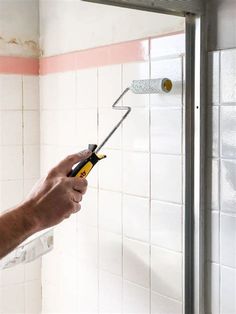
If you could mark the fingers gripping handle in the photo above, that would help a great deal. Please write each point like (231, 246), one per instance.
(84, 167)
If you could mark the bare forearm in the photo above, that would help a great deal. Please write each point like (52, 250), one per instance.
(16, 225)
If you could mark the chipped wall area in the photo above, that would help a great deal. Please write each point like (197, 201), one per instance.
(17, 47)
(19, 38)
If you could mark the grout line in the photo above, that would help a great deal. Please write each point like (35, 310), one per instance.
(98, 196)
(122, 195)
(150, 185)
(219, 182)
(23, 166)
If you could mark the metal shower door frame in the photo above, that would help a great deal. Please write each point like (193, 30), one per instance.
(194, 161)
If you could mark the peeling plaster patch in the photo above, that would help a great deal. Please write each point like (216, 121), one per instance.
(17, 47)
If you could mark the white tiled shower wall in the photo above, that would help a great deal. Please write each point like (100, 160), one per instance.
(20, 287)
(221, 224)
(123, 251)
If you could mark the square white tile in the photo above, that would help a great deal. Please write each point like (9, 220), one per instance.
(136, 299)
(228, 131)
(136, 262)
(213, 288)
(33, 297)
(110, 252)
(172, 69)
(14, 275)
(228, 290)
(228, 186)
(213, 131)
(33, 270)
(87, 245)
(166, 130)
(213, 77)
(11, 163)
(135, 71)
(58, 127)
(31, 127)
(168, 45)
(228, 240)
(136, 217)
(108, 118)
(228, 76)
(110, 211)
(136, 130)
(11, 92)
(164, 305)
(65, 238)
(166, 225)
(11, 127)
(13, 299)
(28, 185)
(87, 296)
(213, 184)
(110, 170)
(136, 173)
(30, 92)
(110, 293)
(60, 91)
(11, 193)
(88, 214)
(86, 88)
(31, 161)
(86, 127)
(166, 178)
(166, 273)
(213, 236)
(109, 85)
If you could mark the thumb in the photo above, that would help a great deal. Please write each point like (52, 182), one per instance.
(65, 166)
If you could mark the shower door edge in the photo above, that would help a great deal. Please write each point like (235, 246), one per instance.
(194, 220)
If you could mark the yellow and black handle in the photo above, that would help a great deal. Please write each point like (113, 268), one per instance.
(84, 167)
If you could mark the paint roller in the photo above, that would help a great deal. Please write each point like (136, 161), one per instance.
(152, 86)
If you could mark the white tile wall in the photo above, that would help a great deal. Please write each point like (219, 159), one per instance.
(228, 185)
(165, 305)
(166, 178)
(214, 77)
(166, 225)
(110, 252)
(11, 100)
(213, 236)
(170, 68)
(110, 293)
(228, 131)
(166, 273)
(110, 211)
(221, 279)
(134, 71)
(228, 290)
(109, 85)
(213, 288)
(136, 173)
(19, 168)
(227, 76)
(166, 131)
(86, 89)
(136, 138)
(136, 217)
(118, 271)
(228, 240)
(136, 299)
(136, 262)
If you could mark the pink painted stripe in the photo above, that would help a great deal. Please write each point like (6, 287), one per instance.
(19, 65)
(132, 51)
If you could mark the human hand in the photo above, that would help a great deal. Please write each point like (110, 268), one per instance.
(57, 196)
